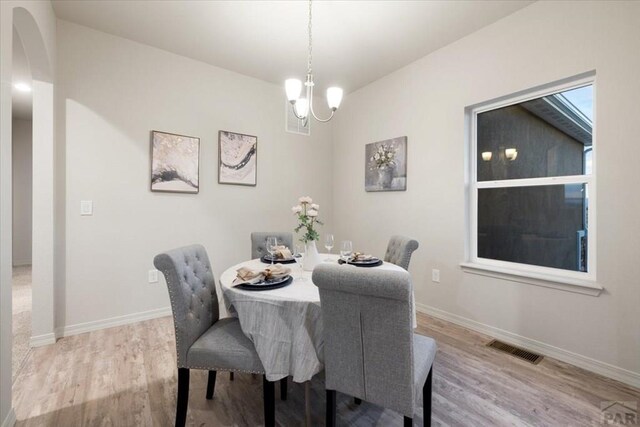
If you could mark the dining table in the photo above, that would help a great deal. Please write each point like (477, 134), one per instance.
(284, 324)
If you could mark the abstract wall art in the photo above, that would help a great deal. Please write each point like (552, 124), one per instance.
(237, 158)
(175, 162)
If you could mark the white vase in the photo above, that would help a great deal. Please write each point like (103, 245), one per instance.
(311, 256)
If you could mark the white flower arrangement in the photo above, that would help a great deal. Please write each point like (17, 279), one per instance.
(384, 157)
(307, 213)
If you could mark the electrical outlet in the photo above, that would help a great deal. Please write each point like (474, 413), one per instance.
(153, 276)
(435, 276)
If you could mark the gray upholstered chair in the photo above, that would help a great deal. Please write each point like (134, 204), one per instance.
(259, 239)
(370, 350)
(203, 340)
(399, 251)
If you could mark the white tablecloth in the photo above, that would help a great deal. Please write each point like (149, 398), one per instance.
(284, 324)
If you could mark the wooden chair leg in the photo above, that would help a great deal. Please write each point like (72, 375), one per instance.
(269, 391)
(331, 408)
(357, 401)
(183, 397)
(230, 376)
(426, 399)
(283, 389)
(408, 422)
(211, 384)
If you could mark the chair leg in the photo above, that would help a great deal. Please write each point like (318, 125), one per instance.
(426, 399)
(357, 401)
(269, 391)
(211, 384)
(283, 389)
(331, 408)
(230, 376)
(183, 397)
(408, 422)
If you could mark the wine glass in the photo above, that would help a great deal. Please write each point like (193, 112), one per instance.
(272, 243)
(298, 255)
(328, 243)
(345, 250)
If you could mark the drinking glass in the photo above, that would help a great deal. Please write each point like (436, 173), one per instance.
(298, 255)
(272, 243)
(328, 243)
(345, 250)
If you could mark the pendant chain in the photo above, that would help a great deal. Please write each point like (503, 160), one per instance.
(310, 40)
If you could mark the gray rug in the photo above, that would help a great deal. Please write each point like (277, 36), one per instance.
(21, 316)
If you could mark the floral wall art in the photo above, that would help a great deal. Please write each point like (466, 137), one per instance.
(237, 158)
(175, 162)
(386, 165)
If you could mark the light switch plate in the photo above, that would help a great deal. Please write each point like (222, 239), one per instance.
(153, 276)
(86, 207)
(435, 276)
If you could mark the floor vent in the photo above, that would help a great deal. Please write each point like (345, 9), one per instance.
(515, 351)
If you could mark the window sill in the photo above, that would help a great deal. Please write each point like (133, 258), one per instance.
(579, 286)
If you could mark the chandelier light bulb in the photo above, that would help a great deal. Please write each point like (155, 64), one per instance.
(486, 155)
(302, 107)
(334, 97)
(511, 153)
(293, 87)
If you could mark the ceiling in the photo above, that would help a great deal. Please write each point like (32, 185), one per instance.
(354, 42)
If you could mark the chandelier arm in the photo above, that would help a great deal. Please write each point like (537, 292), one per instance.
(310, 97)
(323, 120)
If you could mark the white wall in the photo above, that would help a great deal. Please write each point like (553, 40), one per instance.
(22, 179)
(542, 43)
(111, 93)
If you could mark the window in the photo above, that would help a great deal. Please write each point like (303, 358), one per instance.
(531, 186)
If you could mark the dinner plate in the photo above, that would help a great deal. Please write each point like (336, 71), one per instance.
(266, 285)
(267, 260)
(365, 263)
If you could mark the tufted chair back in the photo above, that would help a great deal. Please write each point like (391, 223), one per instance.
(399, 251)
(368, 334)
(192, 291)
(259, 242)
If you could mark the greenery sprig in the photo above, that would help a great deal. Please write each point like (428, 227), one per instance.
(307, 213)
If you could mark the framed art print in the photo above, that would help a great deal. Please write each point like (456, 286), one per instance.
(175, 162)
(237, 158)
(386, 165)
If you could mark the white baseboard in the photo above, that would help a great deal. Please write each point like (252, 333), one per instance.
(21, 263)
(41, 340)
(596, 366)
(10, 419)
(127, 319)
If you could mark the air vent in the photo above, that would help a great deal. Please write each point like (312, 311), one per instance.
(515, 351)
(293, 124)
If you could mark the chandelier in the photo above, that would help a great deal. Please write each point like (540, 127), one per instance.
(303, 106)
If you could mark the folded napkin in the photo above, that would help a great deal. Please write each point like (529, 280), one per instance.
(283, 252)
(248, 275)
(359, 256)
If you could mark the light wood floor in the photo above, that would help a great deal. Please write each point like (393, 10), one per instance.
(126, 376)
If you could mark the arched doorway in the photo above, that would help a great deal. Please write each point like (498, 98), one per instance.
(19, 19)
(43, 242)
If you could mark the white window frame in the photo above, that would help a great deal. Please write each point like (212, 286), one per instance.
(573, 281)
